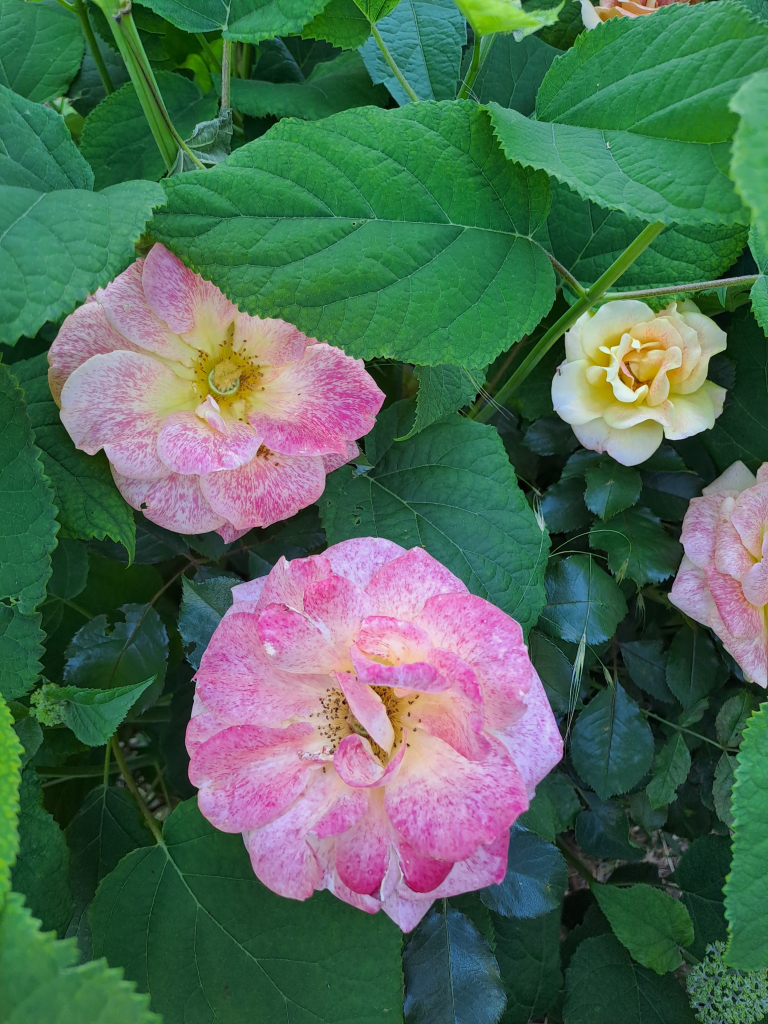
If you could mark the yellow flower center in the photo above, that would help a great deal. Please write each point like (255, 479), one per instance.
(229, 375)
(337, 720)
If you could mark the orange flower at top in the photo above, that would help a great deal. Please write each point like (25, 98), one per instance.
(592, 16)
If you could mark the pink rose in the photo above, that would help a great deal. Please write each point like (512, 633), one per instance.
(593, 16)
(211, 419)
(370, 727)
(723, 578)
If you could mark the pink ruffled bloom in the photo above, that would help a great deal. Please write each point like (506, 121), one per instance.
(593, 16)
(211, 419)
(370, 727)
(723, 578)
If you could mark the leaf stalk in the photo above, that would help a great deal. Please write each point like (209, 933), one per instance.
(393, 66)
(93, 46)
(130, 782)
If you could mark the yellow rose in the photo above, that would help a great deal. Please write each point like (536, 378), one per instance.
(632, 377)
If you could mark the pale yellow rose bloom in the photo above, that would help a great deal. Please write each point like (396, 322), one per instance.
(632, 377)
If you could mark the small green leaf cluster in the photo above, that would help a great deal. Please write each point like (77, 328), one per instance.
(720, 993)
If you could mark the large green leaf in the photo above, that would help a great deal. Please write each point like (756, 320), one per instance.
(425, 38)
(451, 490)
(746, 889)
(89, 505)
(332, 86)
(604, 984)
(41, 873)
(56, 247)
(352, 228)
(701, 876)
(41, 48)
(611, 488)
(536, 878)
(750, 147)
(117, 141)
(646, 662)
(582, 601)
(603, 831)
(512, 72)
(692, 666)
(442, 391)
(38, 151)
(587, 239)
(10, 777)
(638, 546)
(247, 20)
(650, 923)
(92, 715)
(41, 985)
(741, 432)
(21, 640)
(451, 975)
(612, 744)
(663, 156)
(202, 607)
(210, 942)
(528, 955)
(670, 770)
(342, 23)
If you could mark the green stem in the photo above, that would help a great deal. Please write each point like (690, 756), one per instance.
(698, 735)
(678, 289)
(208, 51)
(226, 71)
(483, 412)
(130, 782)
(474, 68)
(90, 38)
(395, 69)
(107, 765)
(566, 275)
(244, 64)
(574, 861)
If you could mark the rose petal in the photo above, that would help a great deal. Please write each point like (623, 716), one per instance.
(361, 853)
(534, 740)
(176, 502)
(187, 444)
(357, 765)
(368, 708)
(359, 559)
(84, 333)
(400, 588)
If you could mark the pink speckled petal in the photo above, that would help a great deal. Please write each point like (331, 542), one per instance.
(750, 518)
(269, 488)
(127, 309)
(349, 807)
(118, 395)
(84, 333)
(248, 776)
(691, 594)
(414, 676)
(401, 587)
(293, 642)
(361, 854)
(269, 342)
(755, 581)
(421, 874)
(368, 708)
(444, 805)
(335, 461)
(534, 740)
(731, 557)
(735, 479)
(486, 866)
(338, 606)
(317, 404)
(136, 457)
(175, 502)
(201, 726)
(170, 289)
(187, 444)
(288, 580)
(361, 558)
(741, 619)
(357, 765)
(700, 527)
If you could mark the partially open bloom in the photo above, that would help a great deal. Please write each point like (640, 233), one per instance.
(211, 419)
(593, 16)
(723, 578)
(632, 377)
(370, 727)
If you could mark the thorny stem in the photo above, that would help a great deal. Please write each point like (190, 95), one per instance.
(395, 69)
(130, 782)
(679, 289)
(484, 412)
(90, 38)
(698, 735)
(226, 71)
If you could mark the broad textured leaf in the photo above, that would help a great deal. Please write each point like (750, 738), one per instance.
(563, 508)
(603, 984)
(56, 247)
(442, 390)
(38, 151)
(247, 20)
(722, 788)
(128, 654)
(554, 669)
(41, 984)
(352, 229)
(616, 153)
(69, 561)
(528, 955)
(692, 666)
(582, 601)
(225, 947)
(732, 718)
(41, 873)
(342, 23)
(741, 432)
(41, 48)
(650, 923)
(603, 831)
(27, 514)
(670, 770)
(750, 148)
(10, 778)
(89, 505)
(332, 86)
(451, 490)
(588, 239)
(21, 640)
(107, 826)
(611, 488)
(117, 141)
(93, 715)
(536, 878)
(611, 744)
(746, 890)
(202, 607)
(425, 39)
(512, 72)
(638, 546)
(646, 662)
(451, 975)
(701, 876)
(374, 10)
(759, 291)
